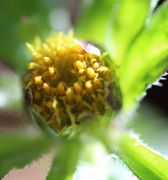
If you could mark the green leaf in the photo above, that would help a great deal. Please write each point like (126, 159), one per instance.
(65, 162)
(143, 161)
(10, 100)
(19, 149)
(21, 22)
(146, 163)
(148, 58)
(128, 18)
(94, 20)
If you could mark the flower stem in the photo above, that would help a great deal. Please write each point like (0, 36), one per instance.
(144, 162)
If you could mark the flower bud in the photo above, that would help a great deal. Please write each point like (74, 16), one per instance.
(68, 83)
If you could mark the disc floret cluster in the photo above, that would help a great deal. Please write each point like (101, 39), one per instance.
(66, 82)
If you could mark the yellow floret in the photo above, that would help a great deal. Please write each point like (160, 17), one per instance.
(66, 80)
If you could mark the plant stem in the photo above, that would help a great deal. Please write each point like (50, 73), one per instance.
(144, 162)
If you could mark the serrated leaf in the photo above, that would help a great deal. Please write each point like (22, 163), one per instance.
(94, 20)
(65, 161)
(148, 58)
(128, 18)
(19, 149)
(145, 163)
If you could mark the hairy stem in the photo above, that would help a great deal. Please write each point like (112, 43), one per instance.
(144, 162)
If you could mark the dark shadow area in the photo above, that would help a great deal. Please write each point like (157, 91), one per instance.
(158, 96)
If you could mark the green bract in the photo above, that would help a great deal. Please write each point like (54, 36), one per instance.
(69, 82)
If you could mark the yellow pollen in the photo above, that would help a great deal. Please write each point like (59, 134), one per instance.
(77, 88)
(54, 104)
(37, 55)
(47, 60)
(38, 80)
(93, 60)
(89, 86)
(90, 73)
(79, 65)
(104, 70)
(95, 65)
(32, 65)
(70, 95)
(46, 88)
(51, 71)
(97, 83)
(81, 71)
(61, 88)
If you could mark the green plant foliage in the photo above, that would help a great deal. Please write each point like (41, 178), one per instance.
(94, 20)
(128, 18)
(21, 22)
(65, 161)
(142, 160)
(19, 149)
(148, 58)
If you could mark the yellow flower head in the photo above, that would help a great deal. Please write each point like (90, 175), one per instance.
(67, 82)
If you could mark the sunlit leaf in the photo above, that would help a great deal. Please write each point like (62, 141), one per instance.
(18, 150)
(128, 18)
(94, 20)
(148, 58)
(142, 160)
(65, 161)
